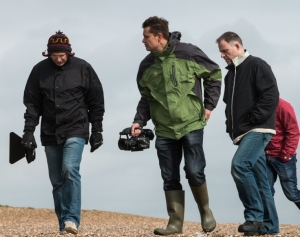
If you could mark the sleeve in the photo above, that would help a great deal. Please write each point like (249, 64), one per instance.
(268, 95)
(288, 119)
(212, 76)
(142, 115)
(95, 100)
(32, 101)
(142, 112)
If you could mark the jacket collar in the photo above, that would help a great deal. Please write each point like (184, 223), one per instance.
(68, 62)
(237, 61)
(240, 59)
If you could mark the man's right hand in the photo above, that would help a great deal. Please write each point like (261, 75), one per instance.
(136, 130)
(96, 140)
(28, 141)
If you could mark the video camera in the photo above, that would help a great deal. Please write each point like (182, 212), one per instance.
(135, 143)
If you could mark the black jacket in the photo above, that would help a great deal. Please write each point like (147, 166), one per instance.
(251, 96)
(67, 98)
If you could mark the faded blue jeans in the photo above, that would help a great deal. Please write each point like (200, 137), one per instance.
(249, 171)
(287, 173)
(63, 166)
(169, 152)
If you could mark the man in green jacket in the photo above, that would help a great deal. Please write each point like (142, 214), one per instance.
(169, 80)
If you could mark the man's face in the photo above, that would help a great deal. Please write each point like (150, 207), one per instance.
(150, 41)
(229, 50)
(59, 58)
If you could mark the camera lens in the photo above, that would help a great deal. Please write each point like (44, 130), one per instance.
(124, 144)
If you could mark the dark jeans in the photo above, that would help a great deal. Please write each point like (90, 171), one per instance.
(286, 171)
(169, 152)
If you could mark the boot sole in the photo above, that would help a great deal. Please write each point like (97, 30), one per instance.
(209, 230)
(250, 229)
(250, 233)
(71, 231)
(164, 232)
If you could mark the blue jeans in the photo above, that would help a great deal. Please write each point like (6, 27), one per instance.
(249, 172)
(286, 171)
(169, 152)
(63, 166)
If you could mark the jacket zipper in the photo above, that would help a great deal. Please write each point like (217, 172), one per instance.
(232, 101)
(173, 76)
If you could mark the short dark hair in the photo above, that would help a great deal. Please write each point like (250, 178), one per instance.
(157, 25)
(229, 37)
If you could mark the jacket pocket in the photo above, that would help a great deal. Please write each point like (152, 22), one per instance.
(190, 110)
(243, 125)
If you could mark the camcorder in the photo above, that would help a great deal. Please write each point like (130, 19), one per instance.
(135, 143)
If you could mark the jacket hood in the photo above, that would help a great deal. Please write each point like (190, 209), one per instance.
(174, 38)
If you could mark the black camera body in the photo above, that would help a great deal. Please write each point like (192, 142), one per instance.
(135, 143)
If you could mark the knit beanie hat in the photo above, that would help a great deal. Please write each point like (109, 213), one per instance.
(58, 42)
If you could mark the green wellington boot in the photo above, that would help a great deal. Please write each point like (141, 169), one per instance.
(208, 221)
(175, 208)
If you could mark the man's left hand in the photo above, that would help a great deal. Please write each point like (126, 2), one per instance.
(207, 114)
(96, 140)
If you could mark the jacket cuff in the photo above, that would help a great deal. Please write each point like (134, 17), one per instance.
(140, 122)
(97, 127)
(29, 126)
(285, 157)
(209, 107)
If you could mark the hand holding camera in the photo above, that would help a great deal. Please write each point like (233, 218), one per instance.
(136, 130)
(137, 139)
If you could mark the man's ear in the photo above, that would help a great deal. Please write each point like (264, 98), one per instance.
(160, 36)
(238, 46)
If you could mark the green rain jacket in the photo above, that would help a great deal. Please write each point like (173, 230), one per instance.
(171, 89)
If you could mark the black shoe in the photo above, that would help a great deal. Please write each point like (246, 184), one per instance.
(251, 226)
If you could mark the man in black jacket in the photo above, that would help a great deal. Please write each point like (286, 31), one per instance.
(251, 96)
(67, 93)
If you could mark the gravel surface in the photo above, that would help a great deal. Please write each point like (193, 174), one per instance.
(16, 221)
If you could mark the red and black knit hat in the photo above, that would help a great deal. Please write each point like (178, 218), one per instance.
(58, 43)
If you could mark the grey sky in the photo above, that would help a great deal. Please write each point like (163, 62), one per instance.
(108, 35)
